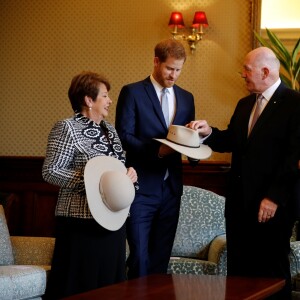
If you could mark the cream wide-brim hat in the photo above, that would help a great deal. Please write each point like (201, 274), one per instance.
(109, 191)
(186, 141)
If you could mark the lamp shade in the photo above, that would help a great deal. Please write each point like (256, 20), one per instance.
(176, 19)
(200, 19)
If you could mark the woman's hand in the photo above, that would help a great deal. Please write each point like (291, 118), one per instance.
(131, 173)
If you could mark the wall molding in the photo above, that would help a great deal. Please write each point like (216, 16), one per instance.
(34, 200)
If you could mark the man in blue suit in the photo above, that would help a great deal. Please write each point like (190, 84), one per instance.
(260, 201)
(154, 213)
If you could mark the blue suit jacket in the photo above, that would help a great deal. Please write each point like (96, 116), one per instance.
(139, 119)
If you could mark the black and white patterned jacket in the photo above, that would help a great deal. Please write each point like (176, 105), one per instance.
(71, 143)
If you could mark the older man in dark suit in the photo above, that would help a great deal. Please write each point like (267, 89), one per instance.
(263, 172)
(154, 213)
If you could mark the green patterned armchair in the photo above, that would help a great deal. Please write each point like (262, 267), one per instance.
(200, 241)
(24, 263)
(295, 263)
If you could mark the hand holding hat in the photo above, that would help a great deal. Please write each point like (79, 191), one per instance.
(186, 141)
(109, 191)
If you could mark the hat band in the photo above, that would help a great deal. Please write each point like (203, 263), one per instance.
(185, 145)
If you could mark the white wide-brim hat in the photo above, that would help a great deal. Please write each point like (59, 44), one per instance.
(109, 191)
(186, 141)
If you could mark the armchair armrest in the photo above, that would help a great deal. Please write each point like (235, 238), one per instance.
(295, 266)
(295, 258)
(32, 250)
(217, 253)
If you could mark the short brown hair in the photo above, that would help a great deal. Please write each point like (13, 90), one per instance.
(85, 84)
(169, 48)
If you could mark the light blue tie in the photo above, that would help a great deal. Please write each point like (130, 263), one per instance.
(165, 110)
(165, 105)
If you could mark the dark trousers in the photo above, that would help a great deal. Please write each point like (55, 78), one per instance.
(259, 249)
(151, 230)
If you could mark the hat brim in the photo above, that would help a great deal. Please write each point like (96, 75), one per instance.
(201, 152)
(95, 167)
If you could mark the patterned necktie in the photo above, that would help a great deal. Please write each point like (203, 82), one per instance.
(258, 110)
(165, 105)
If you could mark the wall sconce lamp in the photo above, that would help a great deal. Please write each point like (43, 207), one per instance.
(200, 21)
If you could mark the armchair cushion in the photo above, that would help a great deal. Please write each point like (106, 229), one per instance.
(181, 265)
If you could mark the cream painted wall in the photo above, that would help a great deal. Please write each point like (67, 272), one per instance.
(283, 19)
(280, 14)
(45, 43)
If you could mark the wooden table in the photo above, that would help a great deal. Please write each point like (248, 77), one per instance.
(186, 287)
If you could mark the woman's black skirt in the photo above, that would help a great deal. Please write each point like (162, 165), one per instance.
(86, 256)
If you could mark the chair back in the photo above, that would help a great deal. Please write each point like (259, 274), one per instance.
(6, 253)
(201, 219)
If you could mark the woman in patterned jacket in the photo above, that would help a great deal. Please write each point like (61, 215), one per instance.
(86, 256)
